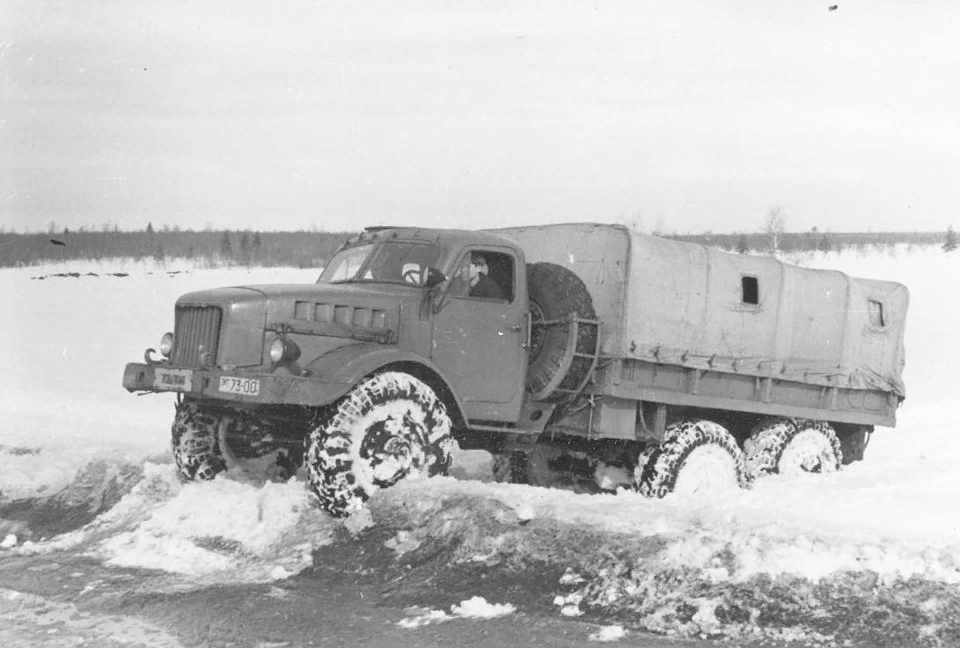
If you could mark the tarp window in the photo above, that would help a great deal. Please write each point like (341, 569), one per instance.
(875, 310)
(749, 290)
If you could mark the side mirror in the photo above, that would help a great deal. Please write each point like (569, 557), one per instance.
(433, 278)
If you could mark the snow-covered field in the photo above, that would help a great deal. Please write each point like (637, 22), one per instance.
(791, 558)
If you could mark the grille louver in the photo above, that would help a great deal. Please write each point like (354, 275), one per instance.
(195, 326)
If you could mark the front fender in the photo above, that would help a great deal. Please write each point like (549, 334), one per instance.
(350, 364)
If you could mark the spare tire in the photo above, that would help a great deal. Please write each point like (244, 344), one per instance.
(556, 293)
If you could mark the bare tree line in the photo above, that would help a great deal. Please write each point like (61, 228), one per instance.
(313, 248)
(210, 248)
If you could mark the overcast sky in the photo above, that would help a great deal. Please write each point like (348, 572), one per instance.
(690, 115)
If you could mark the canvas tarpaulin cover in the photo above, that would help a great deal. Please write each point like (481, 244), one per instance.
(696, 306)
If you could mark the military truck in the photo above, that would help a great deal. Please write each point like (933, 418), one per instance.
(671, 366)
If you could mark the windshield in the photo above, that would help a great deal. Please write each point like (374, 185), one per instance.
(390, 262)
(345, 264)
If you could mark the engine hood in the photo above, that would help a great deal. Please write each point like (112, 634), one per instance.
(337, 310)
(221, 296)
(250, 313)
(375, 291)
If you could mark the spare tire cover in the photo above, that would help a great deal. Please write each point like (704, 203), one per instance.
(555, 293)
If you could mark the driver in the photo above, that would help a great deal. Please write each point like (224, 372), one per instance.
(482, 285)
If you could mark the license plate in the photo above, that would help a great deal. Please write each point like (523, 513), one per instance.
(243, 386)
(173, 379)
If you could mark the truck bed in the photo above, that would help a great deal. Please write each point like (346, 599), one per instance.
(687, 324)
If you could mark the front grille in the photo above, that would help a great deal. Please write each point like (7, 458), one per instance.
(196, 330)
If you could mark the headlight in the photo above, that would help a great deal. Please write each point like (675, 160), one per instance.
(282, 350)
(166, 344)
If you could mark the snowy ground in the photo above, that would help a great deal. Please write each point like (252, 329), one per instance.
(882, 536)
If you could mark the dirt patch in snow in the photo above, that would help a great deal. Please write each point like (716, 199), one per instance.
(437, 551)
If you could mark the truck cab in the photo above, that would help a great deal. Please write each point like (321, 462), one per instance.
(464, 338)
(389, 295)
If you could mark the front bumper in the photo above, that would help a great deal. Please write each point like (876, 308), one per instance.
(214, 383)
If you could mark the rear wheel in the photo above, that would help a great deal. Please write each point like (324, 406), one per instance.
(695, 457)
(792, 446)
(389, 427)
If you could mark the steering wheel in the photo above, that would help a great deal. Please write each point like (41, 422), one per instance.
(411, 276)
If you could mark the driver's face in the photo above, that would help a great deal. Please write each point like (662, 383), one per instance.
(476, 269)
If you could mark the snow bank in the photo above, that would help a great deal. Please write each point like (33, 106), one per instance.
(224, 529)
(770, 530)
(219, 531)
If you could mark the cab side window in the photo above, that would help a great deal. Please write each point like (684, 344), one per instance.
(484, 274)
(500, 269)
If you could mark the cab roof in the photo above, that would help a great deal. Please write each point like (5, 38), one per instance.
(439, 235)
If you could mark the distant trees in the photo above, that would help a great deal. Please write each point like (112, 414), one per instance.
(149, 227)
(775, 226)
(287, 249)
(743, 246)
(313, 249)
(245, 248)
(248, 250)
(226, 247)
(810, 239)
(950, 243)
(824, 245)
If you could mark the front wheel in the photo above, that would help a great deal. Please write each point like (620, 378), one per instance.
(387, 428)
(695, 457)
(195, 441)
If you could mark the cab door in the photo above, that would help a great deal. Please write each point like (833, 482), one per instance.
(480, 343)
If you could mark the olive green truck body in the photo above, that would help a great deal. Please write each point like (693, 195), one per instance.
(676, 328)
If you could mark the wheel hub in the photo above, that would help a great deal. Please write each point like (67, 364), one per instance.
(387, 448)
(808, 452)
(707, 469)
